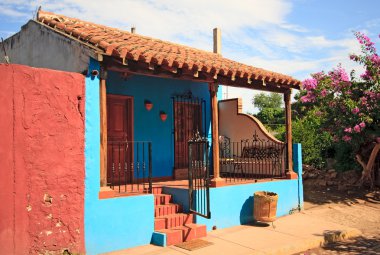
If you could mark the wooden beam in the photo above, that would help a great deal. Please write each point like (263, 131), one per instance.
(103, 130)
(254, 84)
(158, 71)
(162, 71)
(216, 181)
(290, 174)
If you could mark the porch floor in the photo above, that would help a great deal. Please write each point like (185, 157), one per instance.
(142, 188)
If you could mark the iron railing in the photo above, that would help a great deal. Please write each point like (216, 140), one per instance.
(251, 159)
(129, 166)
(199, 177)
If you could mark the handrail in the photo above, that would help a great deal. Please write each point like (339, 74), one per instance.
(129, 166)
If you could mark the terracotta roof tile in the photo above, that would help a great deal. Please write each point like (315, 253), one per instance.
(125, 45)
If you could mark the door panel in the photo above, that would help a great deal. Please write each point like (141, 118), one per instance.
(119, 135)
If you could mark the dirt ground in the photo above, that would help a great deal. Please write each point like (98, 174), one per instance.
(357, 208)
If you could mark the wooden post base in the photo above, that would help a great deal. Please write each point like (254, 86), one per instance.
(291, 175)
(217, 182)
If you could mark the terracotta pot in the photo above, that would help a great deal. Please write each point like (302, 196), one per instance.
(163, 116)
(148, 106)
(265, 206)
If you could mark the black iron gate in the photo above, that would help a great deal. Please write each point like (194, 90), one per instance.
(199, 177)
(189, 119)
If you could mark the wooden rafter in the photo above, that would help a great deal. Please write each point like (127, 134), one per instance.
(164, 71)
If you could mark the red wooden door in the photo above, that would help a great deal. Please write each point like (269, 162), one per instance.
(119, 135)
(187, 121)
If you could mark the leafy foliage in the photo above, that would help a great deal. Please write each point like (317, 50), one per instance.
(270, 109)
(348, 107)
(265, 101)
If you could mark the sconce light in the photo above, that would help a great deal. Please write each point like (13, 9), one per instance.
(148, 105)
(163, 116)
(94, 72)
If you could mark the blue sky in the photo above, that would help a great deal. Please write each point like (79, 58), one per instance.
(295, 37)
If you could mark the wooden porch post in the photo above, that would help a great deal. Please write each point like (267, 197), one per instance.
(216, 181)
(290, 174)
(103, 129)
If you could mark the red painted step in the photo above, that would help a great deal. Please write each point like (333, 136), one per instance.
(162, 210)
(162, 199)
(173, 236)
(177, 226)
(176, 220)
(159, 223)
(155, 190)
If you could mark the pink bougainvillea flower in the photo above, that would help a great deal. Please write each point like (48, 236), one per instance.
(309, 84)
(343, 74)
(362, 124)
(310, 97)
(366, 75)
(371, 94)
(339, 78)
(323, 92)
(375, 59)
(366, 42)
(305, 99)
(348, 130)
(346, 138)
(354, 57)
(319, 76)
(355, 110)
(357, 129)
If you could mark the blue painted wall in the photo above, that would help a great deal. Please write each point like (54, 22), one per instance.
(233, 205)
(147, 124)
(297, 166)
(110, 224)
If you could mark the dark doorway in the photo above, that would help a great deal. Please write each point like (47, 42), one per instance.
(188, 121)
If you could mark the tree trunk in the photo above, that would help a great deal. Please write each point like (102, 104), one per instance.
(368, 168)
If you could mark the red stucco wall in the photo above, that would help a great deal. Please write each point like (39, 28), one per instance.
(42, 161)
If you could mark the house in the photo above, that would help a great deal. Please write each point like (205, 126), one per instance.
(163, 158)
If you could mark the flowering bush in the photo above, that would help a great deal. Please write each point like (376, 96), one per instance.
(350, 106)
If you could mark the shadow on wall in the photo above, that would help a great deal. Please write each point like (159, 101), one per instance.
(246, 212)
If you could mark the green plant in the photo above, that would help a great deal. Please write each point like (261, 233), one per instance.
(349, 107)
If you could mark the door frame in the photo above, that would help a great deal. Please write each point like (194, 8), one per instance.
(131, 113)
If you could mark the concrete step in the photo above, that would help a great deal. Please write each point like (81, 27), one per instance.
(162, 199)
(162, 210)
